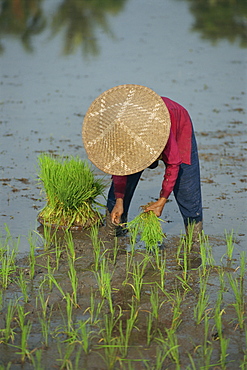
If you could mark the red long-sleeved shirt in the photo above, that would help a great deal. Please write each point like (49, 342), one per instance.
(176, 151)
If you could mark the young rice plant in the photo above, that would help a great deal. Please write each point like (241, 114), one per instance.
(148, 225)
(71, 189)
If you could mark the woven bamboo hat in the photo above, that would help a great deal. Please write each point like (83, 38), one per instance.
(125, 129)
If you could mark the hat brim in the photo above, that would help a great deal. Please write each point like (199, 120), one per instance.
(125, 129)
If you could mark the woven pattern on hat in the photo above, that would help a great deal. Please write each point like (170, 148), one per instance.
(125, 129)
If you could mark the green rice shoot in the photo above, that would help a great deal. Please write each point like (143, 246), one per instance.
(148, 226)
(71, 189)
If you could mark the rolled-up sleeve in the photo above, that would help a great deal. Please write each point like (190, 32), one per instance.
(172, 160)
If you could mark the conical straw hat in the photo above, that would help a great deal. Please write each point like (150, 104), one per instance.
(125, 129)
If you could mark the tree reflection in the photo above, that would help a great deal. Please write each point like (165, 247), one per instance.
(221, 19)
(80, 19)
(22, 19)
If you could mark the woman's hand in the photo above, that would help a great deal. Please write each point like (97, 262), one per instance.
(156, 207)
(117, 211)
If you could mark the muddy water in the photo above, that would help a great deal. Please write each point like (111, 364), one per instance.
(64, 348)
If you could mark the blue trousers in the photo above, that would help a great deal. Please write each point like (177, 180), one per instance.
(187, 190)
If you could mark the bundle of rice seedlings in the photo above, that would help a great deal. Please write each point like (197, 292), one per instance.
(71, 188)
(148, 225)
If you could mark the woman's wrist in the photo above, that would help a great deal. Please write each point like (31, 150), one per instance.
(162, 200)
(119, 201)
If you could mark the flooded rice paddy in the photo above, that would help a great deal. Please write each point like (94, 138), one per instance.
(85, 302)
(78, 302)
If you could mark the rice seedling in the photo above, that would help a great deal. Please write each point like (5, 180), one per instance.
(49, 236)
(94, 310)
(70, 247)
(224, 342)
(97, 244)
(8, 333)
(148, 225)
(189, 237)
(204, 350)
(44, 318)
(111, 352)
(110, 343)
(170, 348)
(210, 257)
(238, 290)
(7, 367)
(8, 262)
(203, 248)
(243, 262)
(103, 277)
(109, 323)
(202, 300)
(154, 300)
(77, 365)
(207, 258)
(71, 190)
(58, 253)
(37, 360)
(159, 257)
(8, 242)
(134, 232)
(25, 331)
(124, 335)
(183, 258)
(84, 335)
(52, 279)
(69, 311)
(172, 344)
(137, 275)
(176, 321)
(162, 271)
(229, 244)
(22, 283)
(179, 252)
(207, 347)
(132, 364)
(162, 352)
(74, 284)
(65, 356)
(68, 329)
(152, 318)
(50, 273)
(73, 279)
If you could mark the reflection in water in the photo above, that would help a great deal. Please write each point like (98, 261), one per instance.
(221, 19)
(81, 18)
(22, 19)
(78, 19)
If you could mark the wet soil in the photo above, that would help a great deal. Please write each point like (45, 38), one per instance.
(64, 347)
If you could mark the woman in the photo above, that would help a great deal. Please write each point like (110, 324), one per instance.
(129, 128)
